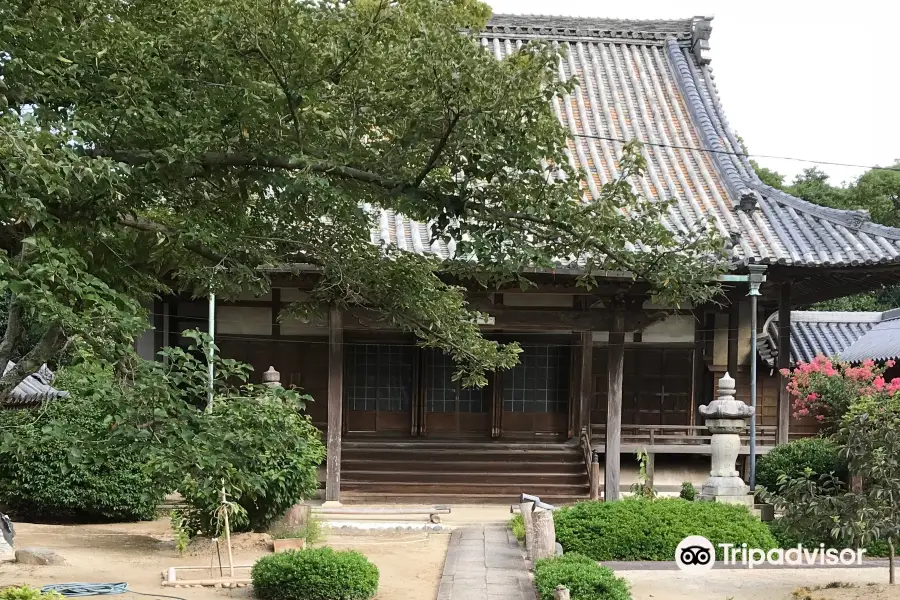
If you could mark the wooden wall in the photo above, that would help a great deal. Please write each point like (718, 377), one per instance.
(301, 362)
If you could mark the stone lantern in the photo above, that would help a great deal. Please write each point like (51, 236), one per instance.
(271, 378)
(726, 418)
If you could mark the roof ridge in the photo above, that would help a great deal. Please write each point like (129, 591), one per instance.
(857, 219)
(834, 316)
(562, 26)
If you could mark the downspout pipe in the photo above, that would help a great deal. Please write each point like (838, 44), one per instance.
(756, 278)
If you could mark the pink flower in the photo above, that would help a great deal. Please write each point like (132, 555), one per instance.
(820, 418)
(878, 383)
(812, 397)
(803, 412)
(889, 364)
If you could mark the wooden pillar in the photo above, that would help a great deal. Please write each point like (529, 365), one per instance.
(586, 386)
(784, 362)
(734, 327)
(335, 404)
(616, 367)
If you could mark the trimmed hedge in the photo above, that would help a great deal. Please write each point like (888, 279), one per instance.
(59, 463)
(819, 454)
(641, 529)
(315, 574)
(585, 579)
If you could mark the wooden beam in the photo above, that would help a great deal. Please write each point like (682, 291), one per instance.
(784, 362)
(335, 404)
(276, 309)
(734, 327)
(616, 353)
(699, 365)
(586, 386)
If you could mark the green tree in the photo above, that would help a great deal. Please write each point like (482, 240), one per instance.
(152, 145)
(826, 508)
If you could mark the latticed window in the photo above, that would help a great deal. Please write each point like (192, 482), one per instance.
(442, 394)
(540, 382)
(379, 376)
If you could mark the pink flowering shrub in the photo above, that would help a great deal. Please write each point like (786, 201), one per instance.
(825, 389)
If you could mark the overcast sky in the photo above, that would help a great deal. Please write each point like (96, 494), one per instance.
(812, 80)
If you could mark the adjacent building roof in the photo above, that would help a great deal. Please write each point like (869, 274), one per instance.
(33, 390)
(651, 81)
(850, 336)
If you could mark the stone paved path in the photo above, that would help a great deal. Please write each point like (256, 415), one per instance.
(484, 562)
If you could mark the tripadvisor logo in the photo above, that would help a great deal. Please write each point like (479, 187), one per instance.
(696, 554)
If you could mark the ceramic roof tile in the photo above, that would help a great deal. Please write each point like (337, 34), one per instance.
(651, 81)
(33, 390)
(849, 336)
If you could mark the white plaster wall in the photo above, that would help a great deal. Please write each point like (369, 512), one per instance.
(244, 320)
(676, 328)
(552, 300)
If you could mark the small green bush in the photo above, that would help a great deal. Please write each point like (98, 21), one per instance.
(517, 525)
(818, 454)
(639, 529)
(27, 593)
(688, 492)
(585, 579)
(316, 574)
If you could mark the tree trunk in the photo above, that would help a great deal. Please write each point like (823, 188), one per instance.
(13, 332)
(52, 342)
(891, 561)
(544, 534)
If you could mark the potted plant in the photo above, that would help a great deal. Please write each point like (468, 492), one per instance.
(297, 537)
(290, 540)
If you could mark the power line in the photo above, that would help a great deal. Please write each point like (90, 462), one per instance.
(731, 153)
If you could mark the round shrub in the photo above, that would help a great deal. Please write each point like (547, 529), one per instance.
(315, 574)
(585, 579)
(639, 529)
(58, 462)
(818, 454)
(688, 492)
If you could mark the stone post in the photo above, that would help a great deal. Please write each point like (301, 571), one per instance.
(271, 378)
(544, 534)
(7, 533)
(726, 418)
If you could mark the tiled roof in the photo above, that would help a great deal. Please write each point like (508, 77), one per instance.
(651, 81)
(880, 343)
(850, 336)
(33, 390)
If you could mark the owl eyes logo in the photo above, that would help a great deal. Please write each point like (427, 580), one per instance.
(695, 554)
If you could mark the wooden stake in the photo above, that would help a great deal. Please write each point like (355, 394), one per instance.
(891, 561)
(227, 533)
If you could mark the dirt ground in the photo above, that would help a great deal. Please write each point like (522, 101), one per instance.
(762, 584)
(138, 553)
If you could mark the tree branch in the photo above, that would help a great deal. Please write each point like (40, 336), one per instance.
(288, 96)
(438, 148)
(153, 227)
(289, 163)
